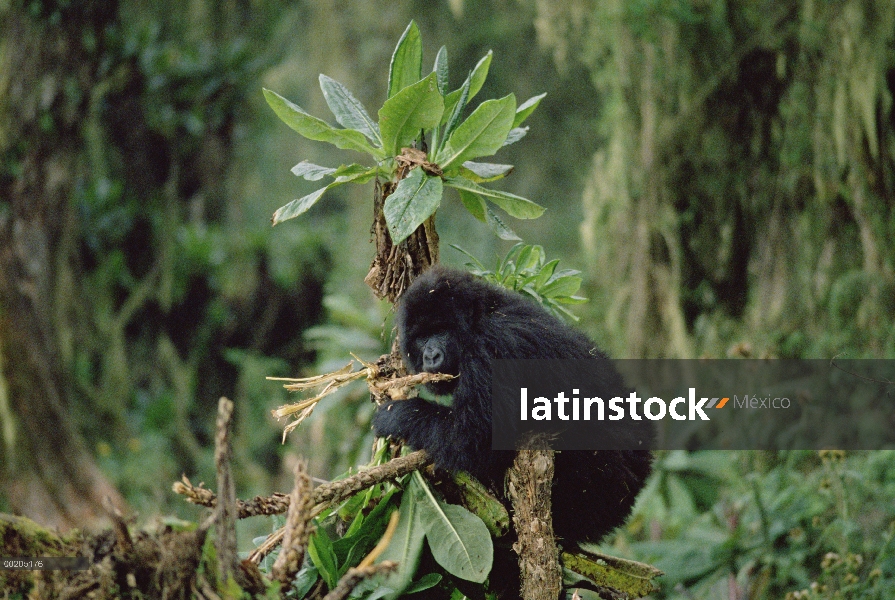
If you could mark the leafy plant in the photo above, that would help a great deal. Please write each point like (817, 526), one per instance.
(421, 141)
(524, 270)
(795, 525)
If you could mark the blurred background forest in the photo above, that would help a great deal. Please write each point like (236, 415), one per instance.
(721, 171)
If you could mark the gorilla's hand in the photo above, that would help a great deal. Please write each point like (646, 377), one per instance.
(453, 443)
(392, 419)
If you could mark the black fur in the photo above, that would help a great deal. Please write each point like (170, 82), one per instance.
(452, 322)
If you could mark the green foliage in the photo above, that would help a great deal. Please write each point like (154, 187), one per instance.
(744, 173)
(417, 110)
(793, 524)
(458, 540)
(525, 269)
(482, 134)
(406, 547)
(163, 306)
(414, 200)
(416, 107)
(407, 61)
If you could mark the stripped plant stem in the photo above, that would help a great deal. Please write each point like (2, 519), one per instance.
(395, 388)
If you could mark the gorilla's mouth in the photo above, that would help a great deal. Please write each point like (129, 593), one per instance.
(443, 388)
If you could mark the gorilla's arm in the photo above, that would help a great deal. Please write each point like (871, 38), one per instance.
(456, 438)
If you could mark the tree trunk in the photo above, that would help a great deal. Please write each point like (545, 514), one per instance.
(50, 63)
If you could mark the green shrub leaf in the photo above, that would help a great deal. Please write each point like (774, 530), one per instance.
(474, 203)
(354, 173)
(402, 116)
(406, 67)
(515, 206)
(482, 172)
(561, 286)
(525, 109)
(499, 228)
(406, 546)
(516, 134)
(310, 171)
(413, 201)
(344, 174)
(324, 558)
(441, 69)
(459, 540)
(348, 110)
(455, 113)
(476, 81)
(298, 206)
(478, 207)
(317, 129)
(481, 134)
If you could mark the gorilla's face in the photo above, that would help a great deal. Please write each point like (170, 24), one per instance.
(434, 352)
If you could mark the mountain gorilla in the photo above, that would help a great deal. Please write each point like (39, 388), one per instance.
(452, 322)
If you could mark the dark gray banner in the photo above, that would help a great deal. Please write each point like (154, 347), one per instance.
(736, 404)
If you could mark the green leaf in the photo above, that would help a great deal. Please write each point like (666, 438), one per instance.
(545, 273)
(414, 200)
(561, 286)
(353, 174)
(321, 552)
(310, 171)
(476, 80)
(516, 134)
(455, 113)
(305, 580)
(479, 74)
(441, 69)
(515, 206)
(317, 129)
(298, 206)
(406, 546)
(363, 533)
(481, 134)
(348, 110)
(459, 540)
(528, 258)
(479, 209)
(474, 203)
(482, 172)
(571, 299)
(475, 262)
(562, 311)
(525, 109)
(499, 228)
(406, 67)
(566, 273)
(429, 580)
(403, 116)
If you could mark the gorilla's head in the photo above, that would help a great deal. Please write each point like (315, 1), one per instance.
(436, 320)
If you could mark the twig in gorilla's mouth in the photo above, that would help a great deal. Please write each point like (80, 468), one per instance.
(396, 388)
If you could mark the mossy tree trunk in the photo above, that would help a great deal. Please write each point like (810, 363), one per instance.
(50, 63)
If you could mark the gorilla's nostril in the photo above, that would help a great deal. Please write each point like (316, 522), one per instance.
(433, 358)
